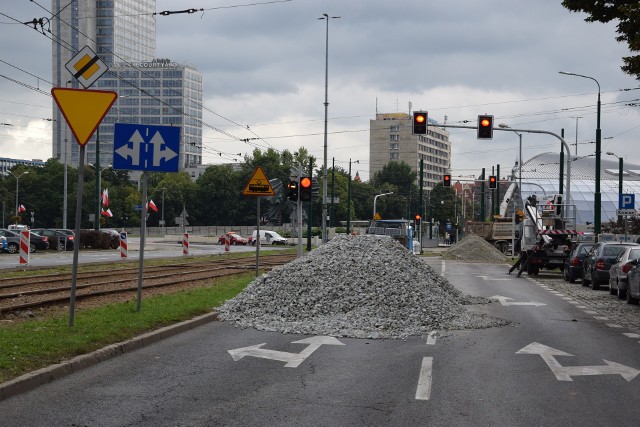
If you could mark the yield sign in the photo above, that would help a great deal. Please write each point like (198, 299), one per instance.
(83, 109)
(258, 185)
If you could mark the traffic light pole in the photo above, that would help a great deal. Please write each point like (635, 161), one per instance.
(562, 141)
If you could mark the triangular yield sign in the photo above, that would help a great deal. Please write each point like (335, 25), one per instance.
(83, 109)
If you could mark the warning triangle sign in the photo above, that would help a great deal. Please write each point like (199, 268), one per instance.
(83, 109)
(258, 185)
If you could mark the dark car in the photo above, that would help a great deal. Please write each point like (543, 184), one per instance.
(573, 264)
(599, 261)
(13, 241)
(620, 269)
(58, 239)
(633, 283)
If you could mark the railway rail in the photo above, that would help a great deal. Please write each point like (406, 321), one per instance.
(33, 292)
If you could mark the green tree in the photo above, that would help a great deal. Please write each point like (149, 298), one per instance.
(627, 13)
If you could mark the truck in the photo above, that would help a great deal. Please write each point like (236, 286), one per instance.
(499, 233)
(547, 234)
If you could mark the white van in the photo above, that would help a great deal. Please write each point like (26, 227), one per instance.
(268, 237)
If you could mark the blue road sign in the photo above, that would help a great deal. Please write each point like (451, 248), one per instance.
(146, 148)
(626, 201)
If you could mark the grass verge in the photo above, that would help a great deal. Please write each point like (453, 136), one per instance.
(34, 344)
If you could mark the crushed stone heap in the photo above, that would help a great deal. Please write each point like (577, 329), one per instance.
(473, 248)
(354, 286)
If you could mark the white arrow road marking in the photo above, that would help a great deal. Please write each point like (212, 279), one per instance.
(507, 301)
(431, 339)
(494, 278)
(293, 359)
(423, 392)
(564, 373)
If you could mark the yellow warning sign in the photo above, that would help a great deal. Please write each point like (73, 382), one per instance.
(83, 109)
(377, 216)
(258, 185)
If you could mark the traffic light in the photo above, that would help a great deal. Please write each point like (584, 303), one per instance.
(293, 190)
(305, 188)
(493, 182)
(485, 127)
(446, 180)
(417, 220)
(420, 122)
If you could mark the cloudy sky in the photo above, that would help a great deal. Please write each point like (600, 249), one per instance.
(264, 68)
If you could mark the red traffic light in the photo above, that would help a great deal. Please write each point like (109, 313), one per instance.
(419, 123)
(493, 182)
(485, 127)
(446, 180)
(305, 182)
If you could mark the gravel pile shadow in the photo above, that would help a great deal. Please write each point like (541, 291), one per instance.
(473, 248)
(355, 286)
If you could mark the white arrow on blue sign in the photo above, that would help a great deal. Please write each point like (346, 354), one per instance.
(146, 148)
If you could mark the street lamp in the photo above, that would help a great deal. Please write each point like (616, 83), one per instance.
(326, 108)
(597, 205)
(375, 200)
(620, 172)
(17, 181)
(349, 197)
(504, 126)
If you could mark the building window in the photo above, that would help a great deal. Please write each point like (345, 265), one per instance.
(394, 146)
(394, 137)
(394, 156)
(394, 128)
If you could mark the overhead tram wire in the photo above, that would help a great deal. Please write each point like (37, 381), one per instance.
(233, 137)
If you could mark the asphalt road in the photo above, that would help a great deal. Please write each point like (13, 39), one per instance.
(557, 363)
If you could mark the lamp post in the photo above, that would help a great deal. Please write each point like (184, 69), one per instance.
(620, 172)
(17, 177)
(597, 203)
(349, 197)
(375, 200)
(326, 108)
(504, 126)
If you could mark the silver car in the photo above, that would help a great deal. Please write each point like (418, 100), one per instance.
(619, 270)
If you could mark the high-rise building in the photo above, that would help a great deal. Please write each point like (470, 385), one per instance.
(150, 90)
(391, 139)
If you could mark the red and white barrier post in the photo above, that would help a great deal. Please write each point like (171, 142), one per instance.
(185, 244)
(25, 243)
(227, 239)
(124, 248)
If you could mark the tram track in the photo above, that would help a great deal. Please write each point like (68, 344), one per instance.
(34, 292)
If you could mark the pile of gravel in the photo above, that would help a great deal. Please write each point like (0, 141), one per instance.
(474, 248)
(354, 286)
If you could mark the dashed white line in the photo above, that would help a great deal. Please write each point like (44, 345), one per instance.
(631, 335)
(431, 339)
(613, 325)
(601, 318)
(423, 392)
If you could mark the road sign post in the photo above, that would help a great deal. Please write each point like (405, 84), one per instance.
(259, 186)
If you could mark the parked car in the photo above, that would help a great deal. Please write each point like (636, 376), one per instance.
(58, 240)
(268, 237)
(13, 241)
(234, 239)
(573, 264)
(633, 283)
(598, 262)
(3, 244)
(619, 270)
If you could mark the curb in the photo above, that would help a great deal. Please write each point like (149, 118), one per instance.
(51, 373)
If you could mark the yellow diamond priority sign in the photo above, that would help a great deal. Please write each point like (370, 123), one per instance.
(86, 67)
(258, 185)
(83, 109)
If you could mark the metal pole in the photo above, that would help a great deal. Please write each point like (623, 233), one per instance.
(143, 228)
(76, 242)
(349, 200)
(96, 223)
(64, 207)
(333, 192)
(326, 112)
